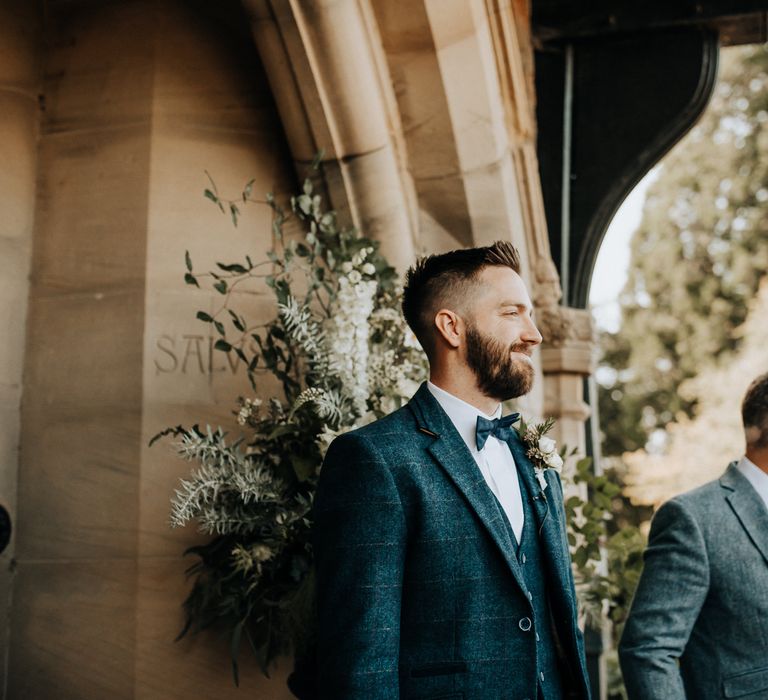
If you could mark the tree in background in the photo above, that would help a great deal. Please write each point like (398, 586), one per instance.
(696, 262)
(699, 449)
(670, 380)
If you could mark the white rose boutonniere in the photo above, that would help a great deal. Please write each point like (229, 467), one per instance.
(541, 449)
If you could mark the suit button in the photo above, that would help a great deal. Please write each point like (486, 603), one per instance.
(525, 624)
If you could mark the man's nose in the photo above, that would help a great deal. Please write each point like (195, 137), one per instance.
(531, 334)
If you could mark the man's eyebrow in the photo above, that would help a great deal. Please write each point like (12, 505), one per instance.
(516, 304)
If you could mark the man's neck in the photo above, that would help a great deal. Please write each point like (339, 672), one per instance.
(465, 388)
(758, 457)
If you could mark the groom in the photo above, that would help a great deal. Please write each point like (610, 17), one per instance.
(442, 565)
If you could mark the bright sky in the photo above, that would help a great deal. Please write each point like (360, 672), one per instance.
(613, 258)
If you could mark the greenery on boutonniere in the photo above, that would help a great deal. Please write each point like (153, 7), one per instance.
(541, 449)
(342, 356)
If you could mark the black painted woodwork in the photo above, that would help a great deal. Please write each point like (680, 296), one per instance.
(567, 20)
(642, 74)
(634, 96)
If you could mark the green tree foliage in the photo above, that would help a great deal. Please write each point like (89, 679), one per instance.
(696, 260)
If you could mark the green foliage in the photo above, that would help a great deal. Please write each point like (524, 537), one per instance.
(339, 347)
(696, 260)
(343, 357)
(607, 564)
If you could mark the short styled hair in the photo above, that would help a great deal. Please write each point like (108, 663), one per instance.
(754, 412)
(446, 280)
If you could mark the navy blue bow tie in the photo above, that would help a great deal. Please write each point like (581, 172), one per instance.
(500, 428)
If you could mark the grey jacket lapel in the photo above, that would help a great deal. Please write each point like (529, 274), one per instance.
(748, 507)
(452, 454)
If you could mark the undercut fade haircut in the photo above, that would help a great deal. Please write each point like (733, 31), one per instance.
(754, 413)
(446, 281)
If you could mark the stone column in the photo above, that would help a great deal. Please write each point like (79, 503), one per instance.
(468, 61)
(327, 72)
(73, 615)
(141, 97)
(19, 118)
(567, 357)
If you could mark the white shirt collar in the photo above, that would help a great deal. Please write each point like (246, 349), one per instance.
(756, 476)
(462, 415)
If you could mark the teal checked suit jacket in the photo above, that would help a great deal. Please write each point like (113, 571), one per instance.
(419, 591)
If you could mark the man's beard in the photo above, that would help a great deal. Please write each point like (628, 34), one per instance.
(498, 375)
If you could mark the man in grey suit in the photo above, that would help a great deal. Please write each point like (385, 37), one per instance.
(442, 563)
(698, 626)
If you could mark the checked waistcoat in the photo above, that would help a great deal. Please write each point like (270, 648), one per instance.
(530, 557)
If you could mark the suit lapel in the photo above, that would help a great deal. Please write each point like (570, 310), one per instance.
(451, 453)
(550, 526)
(748, 507)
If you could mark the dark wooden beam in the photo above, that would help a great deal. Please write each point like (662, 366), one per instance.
(633, 96)
(570, 20)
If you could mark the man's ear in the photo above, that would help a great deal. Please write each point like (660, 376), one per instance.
(450, 326)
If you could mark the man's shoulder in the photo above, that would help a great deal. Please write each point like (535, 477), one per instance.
(714, 489)
(701, 494)
(397, 423)
(394, 433)
(701, 501)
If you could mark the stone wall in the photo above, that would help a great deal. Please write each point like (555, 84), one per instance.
(425, 111)
(140, 99)
(19, 90)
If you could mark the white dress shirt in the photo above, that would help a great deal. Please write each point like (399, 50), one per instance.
(756, 476)
(495, 459)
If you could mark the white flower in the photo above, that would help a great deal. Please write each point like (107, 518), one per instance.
(346, 267)
(354, 277)
(247, 410)
(349, 332)
(262, 553)
(369, 269)
(547, 445)
(553, 460)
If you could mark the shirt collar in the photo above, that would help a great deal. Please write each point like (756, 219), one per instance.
(756, 476)
(462, 415)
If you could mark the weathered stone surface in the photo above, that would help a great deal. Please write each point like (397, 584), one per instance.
(426, 115)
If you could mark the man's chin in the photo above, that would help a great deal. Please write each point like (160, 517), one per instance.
(521, 386)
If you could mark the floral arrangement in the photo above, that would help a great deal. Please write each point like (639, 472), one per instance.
(343, 356)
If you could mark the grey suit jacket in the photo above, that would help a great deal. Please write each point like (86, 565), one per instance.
(698, 626)
(419, 591)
